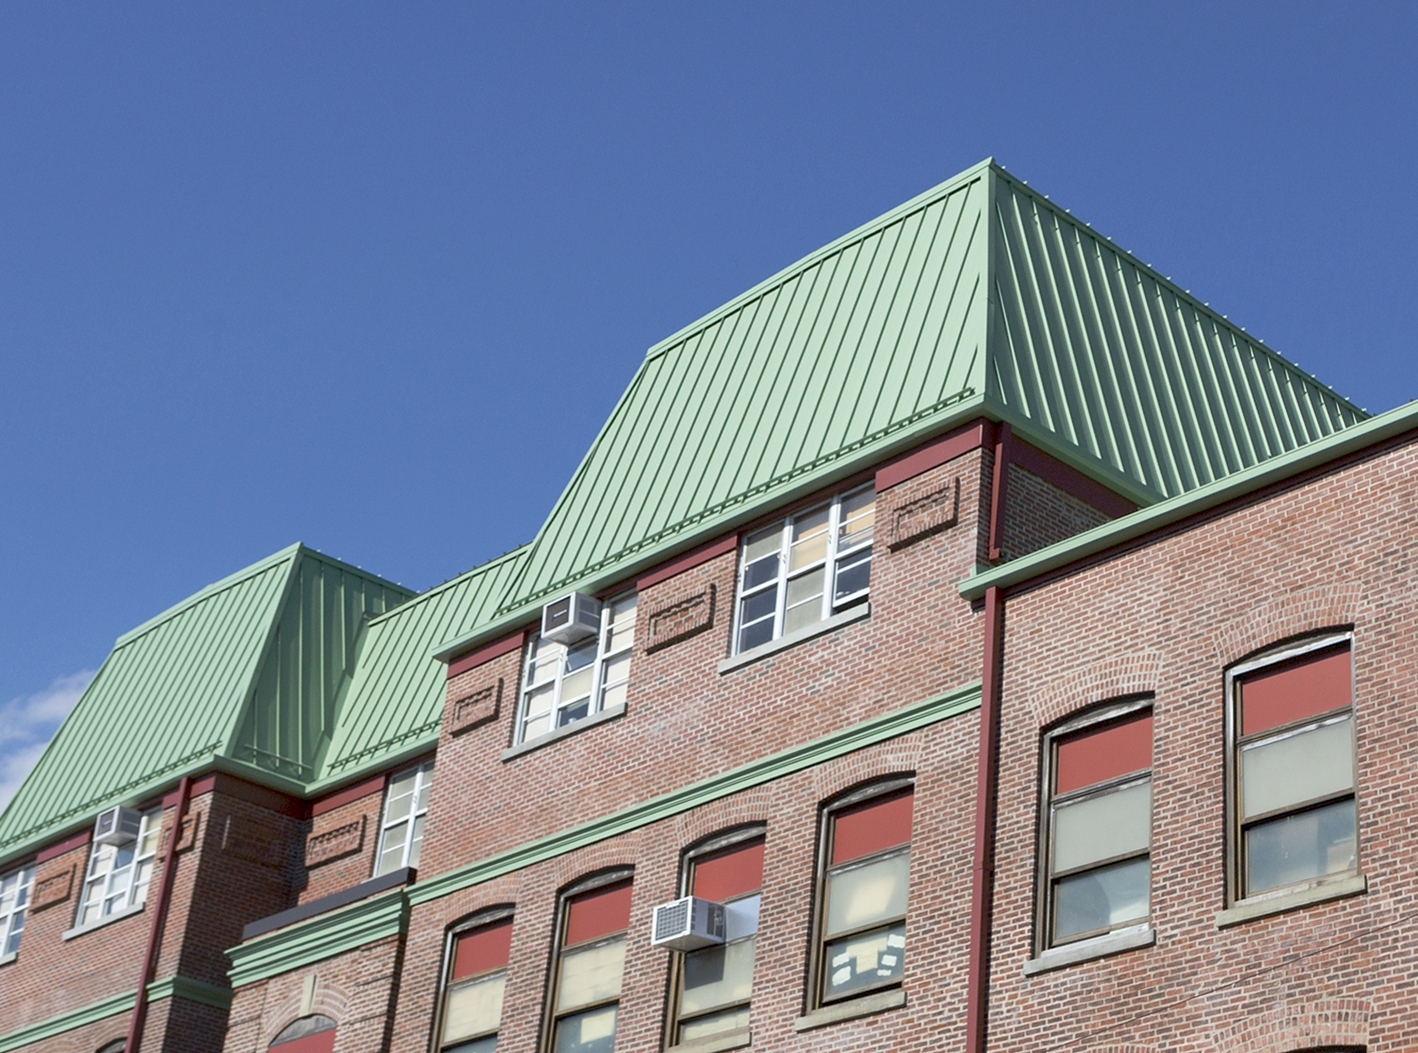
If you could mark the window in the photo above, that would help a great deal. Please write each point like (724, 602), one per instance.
(309, 1034)
(477, 974)
(803, 570)
(1096, 869)
(563, 684)
(1291, 722)
(590, 957)
(401, 834)
(861, 929)
(118, 875)
(15, 889)
(712, 985)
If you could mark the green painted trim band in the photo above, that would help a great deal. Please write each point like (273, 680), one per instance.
(362, 923)
(1091, 542)
(115, 1005)
(319, 938)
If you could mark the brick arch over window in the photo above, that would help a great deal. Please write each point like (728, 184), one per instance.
(605, 855)
(1296, 614)
(837, 777)
(331, 999)
(723, 815)
(1338, 1024)
(1129, 674)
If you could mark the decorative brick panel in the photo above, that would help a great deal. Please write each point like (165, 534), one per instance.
(186, 839)
(335, 843)
(680, 618)
(474, 709)
(53, 889)
(936, 511)
(252, 842)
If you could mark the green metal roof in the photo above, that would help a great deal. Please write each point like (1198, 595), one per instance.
(979, 297)
(250, 661)
(394, 701)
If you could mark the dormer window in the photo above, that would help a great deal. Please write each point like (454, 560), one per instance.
(805, 569)
(564, 683)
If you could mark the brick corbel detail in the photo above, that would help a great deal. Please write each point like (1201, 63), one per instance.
(1337, 1022)
(52, 889)
(337, 842)
(1132, 674)
(927, 515)
(474, 708)
(679, 617)
(1305, 611)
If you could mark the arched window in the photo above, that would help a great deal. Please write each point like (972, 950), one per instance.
(309, 1034)
(118, 1045)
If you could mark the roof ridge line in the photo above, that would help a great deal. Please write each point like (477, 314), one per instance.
(336, 561)
(444, 586)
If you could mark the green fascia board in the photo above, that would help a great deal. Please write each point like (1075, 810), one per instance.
(1117, 532)
(362, 923)
(115, 1005)
(320, 938)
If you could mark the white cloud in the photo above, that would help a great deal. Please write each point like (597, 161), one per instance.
(28, 722)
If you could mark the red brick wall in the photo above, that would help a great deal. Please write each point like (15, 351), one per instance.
(350, 834)
(1039, 514)
(1168, 617)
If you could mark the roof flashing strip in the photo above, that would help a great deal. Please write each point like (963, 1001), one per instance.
(1146, 520)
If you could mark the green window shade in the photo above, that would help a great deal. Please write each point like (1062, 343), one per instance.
(474, 1008)
(1299, 767)
(591, 974)
(861, 895)
(1103, 827)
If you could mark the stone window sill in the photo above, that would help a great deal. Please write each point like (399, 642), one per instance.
(853, 1009)
(6, 959)
(754, 654)
(741, 1038)
(118, 915)
(1087, 950)
(574, 728)
(1291, 899)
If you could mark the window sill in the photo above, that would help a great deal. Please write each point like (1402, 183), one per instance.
(1291, 899)
(740, 1038)
(574, 728)
(6, 959)
(118, 915)
(1087, 950)
(852, 1009)
(754, 654)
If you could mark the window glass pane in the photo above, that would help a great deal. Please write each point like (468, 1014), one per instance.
(881, 823)
(860, 961)
(539, 701)
(477, 1045)
(760, 605)
(751, 635)
(482, 949)
(741, 917)
(590, 974)
(1295, 690)
(391, 857)
(1298, 767)
(1300, 847)
(715, 1024)
(804, 602)
(1096, 756)
(809, 540)
(853, 575)
(618, 668)
(613, 695)
(599, 913)
(576, 685)
(545, 665)
(399, 808)
(402, 784)
(716, 976)
(592, 1032)
(474, 1008)
(730, 872)
(1097, 828)
(763, 544)
(573, 713)
(537, 726)
(417, 842)
(581, 656)
(870, 892)
(620, 637)
(623, 609)
(1101, 899)
(857, 517)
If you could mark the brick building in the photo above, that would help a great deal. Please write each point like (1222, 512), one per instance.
(965, 589)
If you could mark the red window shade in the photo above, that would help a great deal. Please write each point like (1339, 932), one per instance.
(871, 827)
(733, 872)
(1295, 691)
(482, 949)
(598, 913)
(320, 1042)
(1096, 756)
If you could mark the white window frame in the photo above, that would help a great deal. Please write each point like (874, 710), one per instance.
(609, 673)
(833, 556)
(117, 887)
(423, 782)
(16, 888)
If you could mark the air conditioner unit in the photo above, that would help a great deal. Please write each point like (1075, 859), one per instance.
(688, 924)
(117, 826)
(572, 618)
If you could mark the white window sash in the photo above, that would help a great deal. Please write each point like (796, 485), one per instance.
(110, 888)
(16, 888)
(423, 780)
(599, 665)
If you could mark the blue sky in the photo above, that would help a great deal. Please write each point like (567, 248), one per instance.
(371, 277)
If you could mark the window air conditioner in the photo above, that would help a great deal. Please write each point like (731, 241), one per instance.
(117, 826)
(571, 618)
(688, 924)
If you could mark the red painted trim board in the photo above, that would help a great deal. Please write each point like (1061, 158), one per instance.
(1069, 480)
(487, 653)
(688, 561)
(78, 840)
(349, 793)
(932, 455)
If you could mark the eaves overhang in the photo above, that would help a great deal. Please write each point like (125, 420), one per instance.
(1118, 532)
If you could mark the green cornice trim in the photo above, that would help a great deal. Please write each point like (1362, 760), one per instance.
(322, 937)
(171, 987)
(362, 923)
